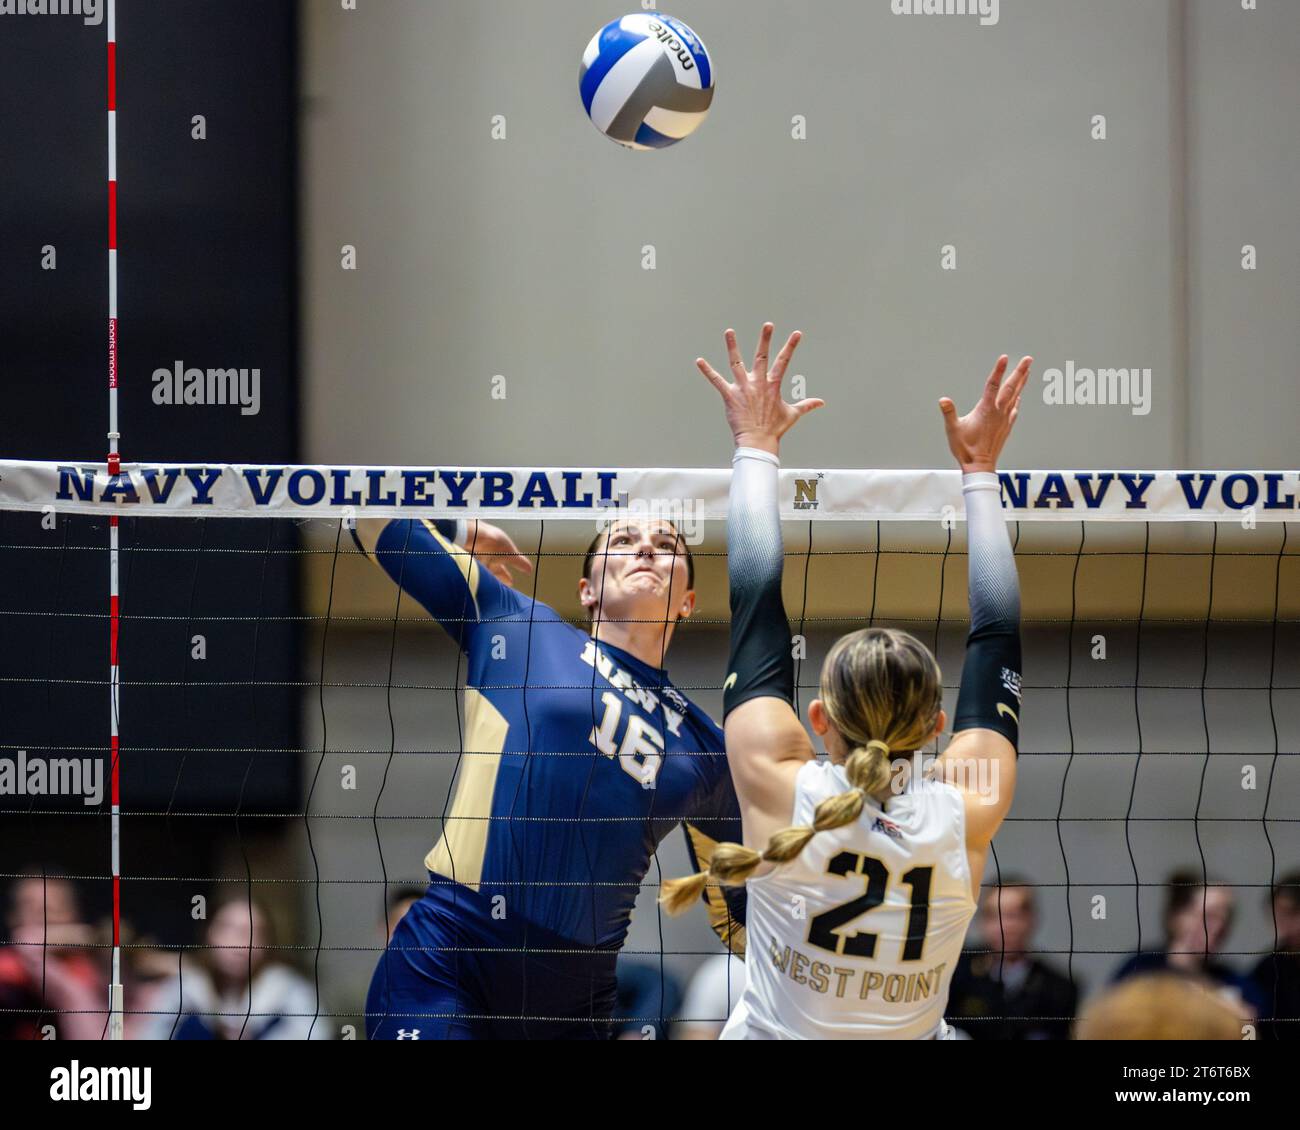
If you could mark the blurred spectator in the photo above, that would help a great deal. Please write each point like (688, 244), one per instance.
(50, 973)
(1008, 993)
(1278, 975)
(1160, 1006)
(710, 997)
(233, 990)
(648, 995)
(1197, 920)
(147, 969)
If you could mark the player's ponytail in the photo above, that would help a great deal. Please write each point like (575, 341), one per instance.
(882, 692)
(730, 866)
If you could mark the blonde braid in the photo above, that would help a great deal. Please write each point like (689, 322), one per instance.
(732, 864)
(869, 768)
(868, 771)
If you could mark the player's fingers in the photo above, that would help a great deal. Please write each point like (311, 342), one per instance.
(712, 375)
(1012, 387)
(777, 372)
(1023, 371)
(995, 376)
(806, 406)
(508, 545)
(733, 355)
(507, 554)
(763, 351)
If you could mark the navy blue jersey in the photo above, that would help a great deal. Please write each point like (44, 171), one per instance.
(578, 758)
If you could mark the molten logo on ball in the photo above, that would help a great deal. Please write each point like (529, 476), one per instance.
(646, 81)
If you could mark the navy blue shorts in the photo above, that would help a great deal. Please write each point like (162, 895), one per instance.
(452, 972)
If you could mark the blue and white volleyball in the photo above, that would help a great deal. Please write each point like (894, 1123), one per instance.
(646, 81)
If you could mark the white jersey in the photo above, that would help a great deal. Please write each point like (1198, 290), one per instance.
(858, 937)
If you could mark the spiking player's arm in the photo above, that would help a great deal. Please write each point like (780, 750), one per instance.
(766, 743)
(458, 571)
(981, 759)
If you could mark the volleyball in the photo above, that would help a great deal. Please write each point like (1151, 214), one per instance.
(646, 81)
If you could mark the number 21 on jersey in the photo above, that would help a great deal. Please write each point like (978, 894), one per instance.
(824, 929)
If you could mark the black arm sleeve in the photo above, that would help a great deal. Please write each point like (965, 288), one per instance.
(761, 664)
(989, 698)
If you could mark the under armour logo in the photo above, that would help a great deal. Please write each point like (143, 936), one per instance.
(413, 1034)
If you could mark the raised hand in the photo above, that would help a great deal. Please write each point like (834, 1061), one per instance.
(756, 411)
(494, 550)
(976, 439)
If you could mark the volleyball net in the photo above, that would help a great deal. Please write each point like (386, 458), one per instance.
(289, 724)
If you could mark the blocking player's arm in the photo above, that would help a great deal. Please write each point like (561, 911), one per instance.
(424, 559)
(987, 721)
(766, 743)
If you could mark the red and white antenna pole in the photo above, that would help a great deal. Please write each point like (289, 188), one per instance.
(114, 467)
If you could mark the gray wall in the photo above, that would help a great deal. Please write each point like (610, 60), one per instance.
(523, 258)
(1243, 169)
